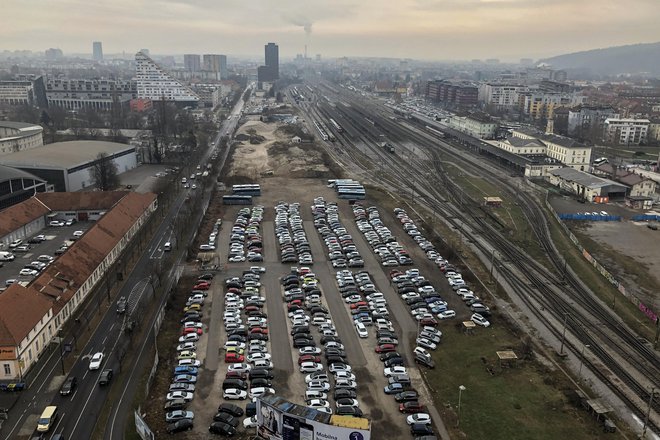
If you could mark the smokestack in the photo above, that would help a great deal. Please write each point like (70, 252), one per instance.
(305, 51)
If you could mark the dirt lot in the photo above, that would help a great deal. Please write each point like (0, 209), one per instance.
(625, 239)
(251, 161)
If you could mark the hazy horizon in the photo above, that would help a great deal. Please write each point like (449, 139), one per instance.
(440, 30)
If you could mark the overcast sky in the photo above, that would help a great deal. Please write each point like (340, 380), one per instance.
(421, 29)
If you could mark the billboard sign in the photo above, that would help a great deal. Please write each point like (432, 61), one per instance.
(142, 428)
(276, 424)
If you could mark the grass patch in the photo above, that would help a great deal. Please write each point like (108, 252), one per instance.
(528, 401)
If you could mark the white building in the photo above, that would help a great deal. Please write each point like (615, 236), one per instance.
(563, 149)
(66, 165)
(626, 131)
(155, 84)
(474, 125)
(19, 136)
(500, 95)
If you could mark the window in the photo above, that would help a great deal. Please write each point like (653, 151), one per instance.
(7, 369)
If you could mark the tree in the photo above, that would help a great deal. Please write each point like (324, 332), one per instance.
(104, 173)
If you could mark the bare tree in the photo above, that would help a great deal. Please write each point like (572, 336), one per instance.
(104, 173)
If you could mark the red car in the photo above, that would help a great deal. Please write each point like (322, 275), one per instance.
(385, 348)
(395, 273)
(359, 304)
(429, 321)
(308, 358)
(236, 375)
(187, 330)
(201, 287)
(249, 309)
(232, 358)
(412, 407)
(234, 290)
(295, 302)
(263, 331)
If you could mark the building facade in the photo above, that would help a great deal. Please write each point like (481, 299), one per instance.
(97, 51)
(477, 126)
(589, 121)
(566, 150)
(23, 92)
(271, 70)
(626, 131)
(460, 95)
(155, 84)
(501, 96)
(19, 136)
(101, 94)
(539, 105)
(191, 62)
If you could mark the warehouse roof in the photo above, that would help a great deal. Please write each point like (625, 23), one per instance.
(63, 154)
(9, 173)
(584, 179)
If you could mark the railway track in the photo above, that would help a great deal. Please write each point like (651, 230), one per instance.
(535, 284)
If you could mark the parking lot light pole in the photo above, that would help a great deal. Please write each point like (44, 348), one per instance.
(582, 361)
(461, 388)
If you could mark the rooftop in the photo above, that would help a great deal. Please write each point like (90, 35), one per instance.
(9, 173)
(63, 154)
(19, 129)
(584, 179)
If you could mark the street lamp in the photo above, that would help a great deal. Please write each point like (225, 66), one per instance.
(582, 361)
(461, 388)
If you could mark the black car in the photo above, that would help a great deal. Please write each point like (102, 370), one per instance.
(226, 418)
(234, 383)
(192, 317)
(419, 429)
(232, 409)
(205, 276)
(300, 330)
(334, 359)
(334, 352)
(326, 339)
(250, 409)
(237, 337)
(260, 373)
(406, 396)
(299, 343)
(300, 336)
(239, 331)
(394, 361)
(106, 377)
(385, 334)
(69, 385)
(260, 382)
(171, 405)
(180, 425)
(343, 393)
(121, 305)
(349, 411)
(222, 428)
(257, 336)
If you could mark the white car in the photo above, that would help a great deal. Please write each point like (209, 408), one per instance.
(419, 351)
(175, 395)
(192, 324)
(190, 337)
(310, 367)
(240, 368)
(236, 259)
(446, 314)
(260, 391)
(78, 233)
(344, 375)
(419, 419)
(186, 346)
(95, 362)
(189, 363)
(28, 272)
(394, 371)
(206, 247)
(234, 394)
(235, 344)
(250, 422)
(480, 320)
(319, 385)
(318, 403)
(315, 395)
(341, 403)
(361, 330)
(316, 376)
(334, 368)
(309, 350)
(257, 269)
(252, 357)
(426, 343)
(262, 363)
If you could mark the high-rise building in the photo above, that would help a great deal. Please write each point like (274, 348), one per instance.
(224, 73)
(273, 59)
(192, 62)
(97, 51)
(271, 71)
(212, 63)
(154, 83)
(54, 54)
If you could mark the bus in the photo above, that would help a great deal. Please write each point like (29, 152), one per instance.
(236, 200)
(251, 189)
(352, 195)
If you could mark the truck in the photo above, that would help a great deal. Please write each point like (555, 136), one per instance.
(386, 146)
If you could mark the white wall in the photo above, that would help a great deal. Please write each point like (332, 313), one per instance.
(82, 179)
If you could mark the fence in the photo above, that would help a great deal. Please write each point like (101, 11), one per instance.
(648, 311)
(646, 218)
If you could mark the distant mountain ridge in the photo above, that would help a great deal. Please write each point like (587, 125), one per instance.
(634, 58)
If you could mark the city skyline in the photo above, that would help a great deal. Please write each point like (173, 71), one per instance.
(419, 29)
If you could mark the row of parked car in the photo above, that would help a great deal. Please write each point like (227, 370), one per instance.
(184, 377)
(246, 236)
(305, 309)
(294, 247)
(480, 312)
(342, 251)
(379, 236)
(249, 366)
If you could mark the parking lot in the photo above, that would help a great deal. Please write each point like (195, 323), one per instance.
(312, 301)
(51, 239)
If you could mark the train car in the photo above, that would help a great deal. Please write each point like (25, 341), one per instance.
(435, 131)
(336, 126)
(371, 121)
(236, 200)
(352, 196)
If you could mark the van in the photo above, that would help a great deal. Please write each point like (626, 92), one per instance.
(47, 419)
(167, 247)
(7, 256)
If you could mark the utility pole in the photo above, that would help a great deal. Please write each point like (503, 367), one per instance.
(648, 412)
(563, 335)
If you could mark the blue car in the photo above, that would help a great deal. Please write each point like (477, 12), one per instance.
(185, 369)
(432, 299)
(438, 309)
(360, 315)
(393, 388)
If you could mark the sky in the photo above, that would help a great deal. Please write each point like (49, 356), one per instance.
(418, 29)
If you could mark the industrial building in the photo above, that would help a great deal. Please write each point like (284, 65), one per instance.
(587, 186)
(32, 315)
(19, 136)
(66, 165)
(17, 185)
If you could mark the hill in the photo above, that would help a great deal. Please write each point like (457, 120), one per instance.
(634, 58)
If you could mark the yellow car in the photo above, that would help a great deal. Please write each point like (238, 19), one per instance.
(186, 354)
(192, 307)
(235, 350)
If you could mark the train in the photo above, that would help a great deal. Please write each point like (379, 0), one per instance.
(236, 200)
(336, 126)
(436, 132)
(321, 130)
(250, 189)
